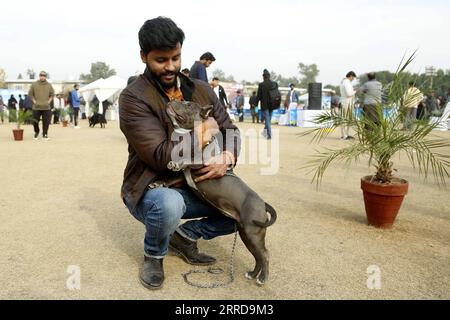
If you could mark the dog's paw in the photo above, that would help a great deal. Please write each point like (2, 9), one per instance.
(250, 276)
(260, 282)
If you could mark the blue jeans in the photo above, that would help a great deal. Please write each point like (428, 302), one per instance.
(268, 122)
(161, 209)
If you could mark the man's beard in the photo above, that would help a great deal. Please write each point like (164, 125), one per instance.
(163, 84)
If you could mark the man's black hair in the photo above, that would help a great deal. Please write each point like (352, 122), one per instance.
(215, 78)
(207, 56)
(160, 34)
(350, 74)
(371, 75)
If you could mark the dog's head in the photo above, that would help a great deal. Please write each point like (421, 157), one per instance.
(184, 114)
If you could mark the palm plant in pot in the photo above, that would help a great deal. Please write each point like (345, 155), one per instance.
(378, 141)
(20, 117)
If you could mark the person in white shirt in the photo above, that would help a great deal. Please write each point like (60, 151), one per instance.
(347, 101)
(58, 104)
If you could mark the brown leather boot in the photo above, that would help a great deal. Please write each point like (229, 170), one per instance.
(188, 251)
(152, 273)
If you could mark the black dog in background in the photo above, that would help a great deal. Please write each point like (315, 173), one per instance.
(99, 117)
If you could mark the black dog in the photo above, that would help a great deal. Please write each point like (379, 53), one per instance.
(97, 118)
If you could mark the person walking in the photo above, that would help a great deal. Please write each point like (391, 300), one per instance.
(254, 107)
(263, 98)
(21, 101)
(219, 91)
(12, 108)
(372, 90)
(41, 94)
(198, 69)
(347, 101)
(239, 105)
(75, 101)
(143, 121)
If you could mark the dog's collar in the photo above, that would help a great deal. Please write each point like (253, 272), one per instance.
(182, 131)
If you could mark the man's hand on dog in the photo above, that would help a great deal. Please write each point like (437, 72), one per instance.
(216, 167)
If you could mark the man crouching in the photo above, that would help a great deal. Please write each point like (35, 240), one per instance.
(147, 190)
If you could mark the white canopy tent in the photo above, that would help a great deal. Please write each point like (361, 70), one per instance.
(105, 89)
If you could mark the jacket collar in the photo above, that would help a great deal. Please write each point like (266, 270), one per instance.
(187, 86)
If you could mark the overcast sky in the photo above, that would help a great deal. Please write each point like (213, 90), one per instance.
(64, 38)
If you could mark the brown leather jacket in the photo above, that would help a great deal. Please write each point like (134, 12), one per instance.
(148, 129)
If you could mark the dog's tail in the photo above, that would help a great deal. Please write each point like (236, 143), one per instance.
(273, 217)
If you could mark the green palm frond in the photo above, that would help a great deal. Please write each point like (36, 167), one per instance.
(321, 161)
(21, 116)
(381, 140)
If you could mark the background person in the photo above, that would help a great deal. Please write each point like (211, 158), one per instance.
(254, 107)
(12, 108)
(335, 103)
(28, 106)
(240, 105)
(347, 101)
(372, 90)
(76, 103)
(198, 69)
(264, 100)
(291, 103)
(219, 91)
(41, 93)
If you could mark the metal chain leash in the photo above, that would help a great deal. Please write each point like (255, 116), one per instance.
(214, 270)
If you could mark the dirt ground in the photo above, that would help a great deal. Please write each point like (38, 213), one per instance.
(60, 207)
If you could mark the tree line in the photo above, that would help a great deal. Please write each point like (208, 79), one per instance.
(440, 83)
(98, 70)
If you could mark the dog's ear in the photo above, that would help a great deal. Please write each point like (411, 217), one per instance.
(206, 110)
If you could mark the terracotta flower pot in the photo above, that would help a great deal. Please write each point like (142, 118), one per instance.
(65, 123)
(383, 201)
(18, 134)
